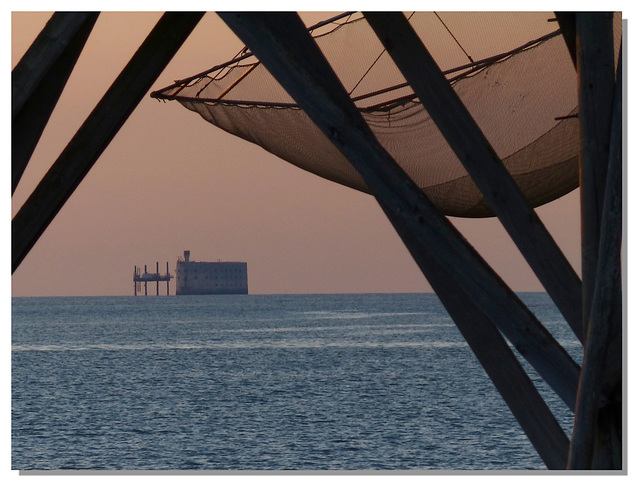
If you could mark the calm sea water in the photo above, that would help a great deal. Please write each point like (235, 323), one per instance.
(258, 382)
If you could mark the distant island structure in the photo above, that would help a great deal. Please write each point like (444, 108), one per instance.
(210, 278)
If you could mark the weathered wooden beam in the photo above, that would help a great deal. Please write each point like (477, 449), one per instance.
(596, 440)
(38, 80)
(282, 44)
(98, 130)
(596, 73)
(504, 370)
(482, 163)
(333, 109)
(567, 23)
(43, 54)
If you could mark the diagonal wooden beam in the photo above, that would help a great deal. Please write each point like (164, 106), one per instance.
(596, 75)
(282, 44)
(601, 377)
(38, 80)
(482, 163)
(46, 50)
(331, 110)
(98, 130)
(567, 23)
(504, 370)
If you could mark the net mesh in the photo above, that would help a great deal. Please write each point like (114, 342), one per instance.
(512, 71)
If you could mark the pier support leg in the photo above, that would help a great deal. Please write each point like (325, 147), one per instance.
(596, 73)
(598, 427)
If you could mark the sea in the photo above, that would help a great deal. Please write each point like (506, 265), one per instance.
(356, 382)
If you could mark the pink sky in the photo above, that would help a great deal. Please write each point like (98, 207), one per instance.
(169, 181)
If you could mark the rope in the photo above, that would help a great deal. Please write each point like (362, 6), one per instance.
(367, 72)
(454, 37)
(373, 64)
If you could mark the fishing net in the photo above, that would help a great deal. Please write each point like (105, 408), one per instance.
(512, 71)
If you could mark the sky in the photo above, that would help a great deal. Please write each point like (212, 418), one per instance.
(169, 181)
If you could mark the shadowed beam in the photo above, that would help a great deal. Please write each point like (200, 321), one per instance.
(482, 163)
(283, 45)
(596, 441)
(567, 23)
(38, 80)
(504, 370)
(596, 73)
(98, 130)
(313, 85)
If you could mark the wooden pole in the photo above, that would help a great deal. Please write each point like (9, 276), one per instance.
(596, 72)
(482, 163)
(281, 43)
(98, 130)
(38, 80)
(145, 281)
(52, 44)
(597, 434)
(332, 112)
(567, 23)
(496, 357)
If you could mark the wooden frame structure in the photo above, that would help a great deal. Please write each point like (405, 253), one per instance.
(485, 310)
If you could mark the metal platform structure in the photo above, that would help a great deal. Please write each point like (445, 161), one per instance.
(146, 277)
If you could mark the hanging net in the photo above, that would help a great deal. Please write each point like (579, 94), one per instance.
(512, 71)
